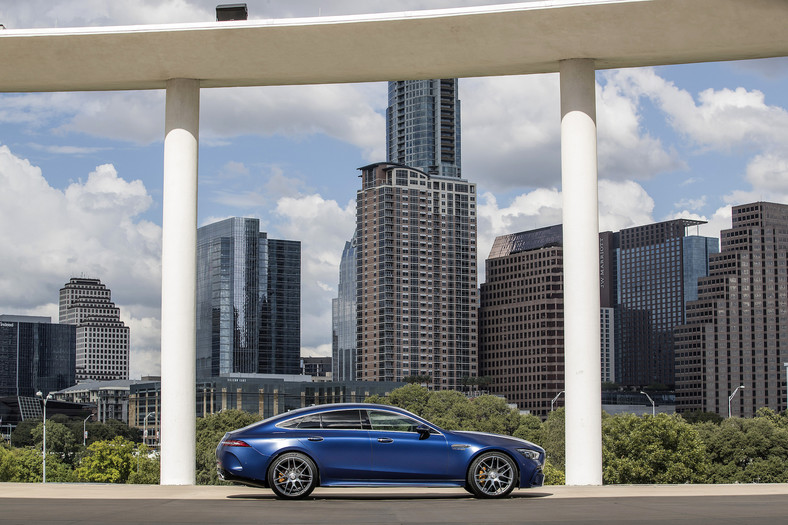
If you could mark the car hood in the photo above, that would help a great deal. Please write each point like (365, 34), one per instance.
(483, 438)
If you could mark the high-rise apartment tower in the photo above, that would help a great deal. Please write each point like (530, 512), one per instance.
(102, 349)
(423, 126)
(415, 276)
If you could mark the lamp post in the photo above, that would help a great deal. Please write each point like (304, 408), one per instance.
(653, 407)
(85, 430)
(145, 433)
(552, 403)
(730, 398)
(40, 395)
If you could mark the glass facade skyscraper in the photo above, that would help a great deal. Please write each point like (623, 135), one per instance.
(655, 263)
(248, 301)
(423, 126)
(35, 355)
(344, 317)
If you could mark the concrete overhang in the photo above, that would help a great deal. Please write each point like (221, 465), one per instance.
(522, 38)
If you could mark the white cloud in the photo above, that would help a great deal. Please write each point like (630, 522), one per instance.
(769, 172)
(346, 112)
(89, 229)
(512, 133)
(323, 227)
(721, 119)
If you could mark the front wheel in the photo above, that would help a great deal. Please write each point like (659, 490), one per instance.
(492, 475)
(292, 475)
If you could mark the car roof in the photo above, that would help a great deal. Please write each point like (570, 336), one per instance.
(335, 406)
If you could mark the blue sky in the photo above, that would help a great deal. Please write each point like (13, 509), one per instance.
(82, 182)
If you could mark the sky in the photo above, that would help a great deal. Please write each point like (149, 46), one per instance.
(82, 172)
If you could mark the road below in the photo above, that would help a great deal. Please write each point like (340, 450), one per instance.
(696, 505)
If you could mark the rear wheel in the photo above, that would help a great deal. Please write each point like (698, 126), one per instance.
(292, 475)
(492, 475)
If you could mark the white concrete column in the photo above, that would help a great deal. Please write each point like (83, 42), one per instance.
(178, 283)
(581, 273)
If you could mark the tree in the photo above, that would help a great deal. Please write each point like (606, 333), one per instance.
(553, 439)
(108, 461)
(410, 397)
(661, 449)
(111, 429)
(699, 416)
(24, 465)
(60, 441)
(22, 435)
(210, 430)
(148, 467)
(747, 450)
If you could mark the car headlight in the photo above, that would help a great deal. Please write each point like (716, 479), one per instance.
(528, 453)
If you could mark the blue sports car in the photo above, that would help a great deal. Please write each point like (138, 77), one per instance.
(346, 445)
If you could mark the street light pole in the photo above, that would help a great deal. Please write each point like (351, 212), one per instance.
(730, 398)
(145, 433)
(653, 407)
(552, 403)
(85, 431)
(39, 394)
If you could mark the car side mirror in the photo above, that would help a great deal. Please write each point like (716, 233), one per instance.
(424, 431)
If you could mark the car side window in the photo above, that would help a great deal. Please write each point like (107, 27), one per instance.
(342, 420)
(311, 421)
(391, 422)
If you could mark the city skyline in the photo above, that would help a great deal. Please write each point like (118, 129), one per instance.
(693, 139)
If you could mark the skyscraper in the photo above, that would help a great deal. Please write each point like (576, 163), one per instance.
(102, 349)
(248, 301)
(521, 317)
(656, 264)
(423, 126)
(736, 332)
(344, 317)
(35, 355)
(416, 276)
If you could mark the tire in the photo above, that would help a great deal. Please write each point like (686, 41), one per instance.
(292, 475)
(492, 475)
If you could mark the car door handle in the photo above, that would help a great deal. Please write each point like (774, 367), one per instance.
(385, 440)
(315, 438)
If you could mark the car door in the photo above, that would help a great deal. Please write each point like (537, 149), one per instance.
(339, 443)
(400, 453)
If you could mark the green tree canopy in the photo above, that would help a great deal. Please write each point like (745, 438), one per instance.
(108, 461)
(661, 449)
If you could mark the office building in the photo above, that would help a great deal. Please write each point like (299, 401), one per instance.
(35, 355)
(248, 301)
(102, 350)
(423, 126)
(736, 331)
(343, 318)
(657, 264)
(416, 276)
(521, 319)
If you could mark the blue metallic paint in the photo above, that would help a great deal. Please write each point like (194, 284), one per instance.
(370, 457)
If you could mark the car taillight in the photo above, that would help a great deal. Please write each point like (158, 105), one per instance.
(235, 443)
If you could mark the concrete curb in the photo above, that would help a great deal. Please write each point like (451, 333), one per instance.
(192, 492)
